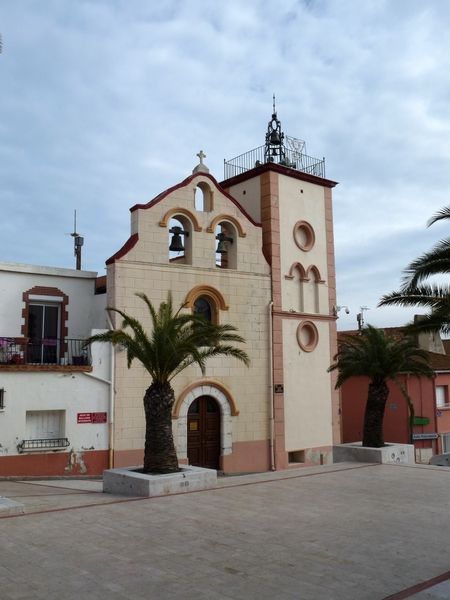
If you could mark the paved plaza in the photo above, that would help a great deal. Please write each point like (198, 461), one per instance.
(353, 532)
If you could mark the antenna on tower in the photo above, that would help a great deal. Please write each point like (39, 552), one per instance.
(360, 316)
(78, 242)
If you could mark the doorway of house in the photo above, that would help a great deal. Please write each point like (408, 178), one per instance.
(203, 437)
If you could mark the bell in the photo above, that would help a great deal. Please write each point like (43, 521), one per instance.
(275, 138)
(222, 246)
(176, 243)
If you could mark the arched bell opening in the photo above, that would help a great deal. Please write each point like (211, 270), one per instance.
(180, 240)
(226, 249)
(203, 197)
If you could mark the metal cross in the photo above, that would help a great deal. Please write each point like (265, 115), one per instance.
(201, 156)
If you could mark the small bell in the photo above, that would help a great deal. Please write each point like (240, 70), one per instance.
(176, 243)
(222, 246)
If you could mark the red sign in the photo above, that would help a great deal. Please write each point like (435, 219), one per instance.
(94, 417)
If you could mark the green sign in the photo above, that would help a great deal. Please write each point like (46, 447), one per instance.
(421, 421)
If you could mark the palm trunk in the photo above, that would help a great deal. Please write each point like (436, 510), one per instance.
(374, 415)
(159, 455)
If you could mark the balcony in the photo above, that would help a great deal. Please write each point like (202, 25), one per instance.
(52, 353)
(289, 155)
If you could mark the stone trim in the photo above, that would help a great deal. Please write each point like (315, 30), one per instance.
(314, 335)
(309, 233)
(211, 227)
(305, 275)
(205, 290)
(51, 292)
(336, 418)
(180, 211)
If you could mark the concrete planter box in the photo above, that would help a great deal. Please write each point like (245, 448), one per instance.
(394, 454)
(129, 482)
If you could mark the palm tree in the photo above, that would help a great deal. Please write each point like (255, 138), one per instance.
(176, 341)
(381, 358)
(415, 290)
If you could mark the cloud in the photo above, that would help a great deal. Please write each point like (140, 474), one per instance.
(106, 103)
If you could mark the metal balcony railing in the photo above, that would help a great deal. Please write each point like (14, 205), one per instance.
(48, 351)
(288, 157)
(43, 444)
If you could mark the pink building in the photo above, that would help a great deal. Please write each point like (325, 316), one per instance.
(430, 430)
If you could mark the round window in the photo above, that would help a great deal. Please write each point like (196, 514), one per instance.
(307, 336)
(304, 235)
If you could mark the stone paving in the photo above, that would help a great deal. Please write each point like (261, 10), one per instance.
(353, 532)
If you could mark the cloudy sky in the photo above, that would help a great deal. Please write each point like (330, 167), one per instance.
(105, 103)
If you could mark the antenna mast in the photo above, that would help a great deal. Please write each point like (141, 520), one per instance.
(78, 242)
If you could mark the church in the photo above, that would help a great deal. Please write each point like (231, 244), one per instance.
(255, 251)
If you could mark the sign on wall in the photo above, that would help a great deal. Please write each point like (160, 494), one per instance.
(425, 436)
(92, 417)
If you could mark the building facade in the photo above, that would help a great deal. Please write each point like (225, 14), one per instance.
(429, 427)
(54, 392)
(255, 251)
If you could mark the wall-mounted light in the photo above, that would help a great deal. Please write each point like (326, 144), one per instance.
(337, 308)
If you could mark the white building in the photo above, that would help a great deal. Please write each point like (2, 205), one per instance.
(54, 392)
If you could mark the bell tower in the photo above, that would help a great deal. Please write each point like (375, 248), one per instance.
(274, 147)
(286, 191)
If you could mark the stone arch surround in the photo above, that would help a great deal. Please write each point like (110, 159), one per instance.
(227, 410)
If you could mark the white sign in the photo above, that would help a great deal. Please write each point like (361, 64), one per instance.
(425, 436)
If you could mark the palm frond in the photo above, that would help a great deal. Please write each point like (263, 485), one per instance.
(175, 341)
(430, 296)
(433, 262)
(444, 213)
(374, 354)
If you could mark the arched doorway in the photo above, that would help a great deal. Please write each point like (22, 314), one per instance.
(203, 433)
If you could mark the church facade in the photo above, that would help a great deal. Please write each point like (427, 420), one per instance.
(255, 251)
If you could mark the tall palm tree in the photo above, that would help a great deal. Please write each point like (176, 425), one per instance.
(415, 290)
(381, 358)
(176, 341)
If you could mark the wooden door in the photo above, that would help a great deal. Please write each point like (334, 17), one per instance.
(204, 433)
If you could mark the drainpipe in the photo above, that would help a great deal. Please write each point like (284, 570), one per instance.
(271, 397)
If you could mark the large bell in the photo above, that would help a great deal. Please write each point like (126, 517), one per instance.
(176, 243)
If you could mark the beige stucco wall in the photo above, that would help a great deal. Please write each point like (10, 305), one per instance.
(246, 290)
(307, 206)
(154, 240)
(307, 385)
(248, 194)
(307, 392)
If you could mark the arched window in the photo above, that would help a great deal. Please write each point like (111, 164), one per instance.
(204, 307)
(207, 301)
